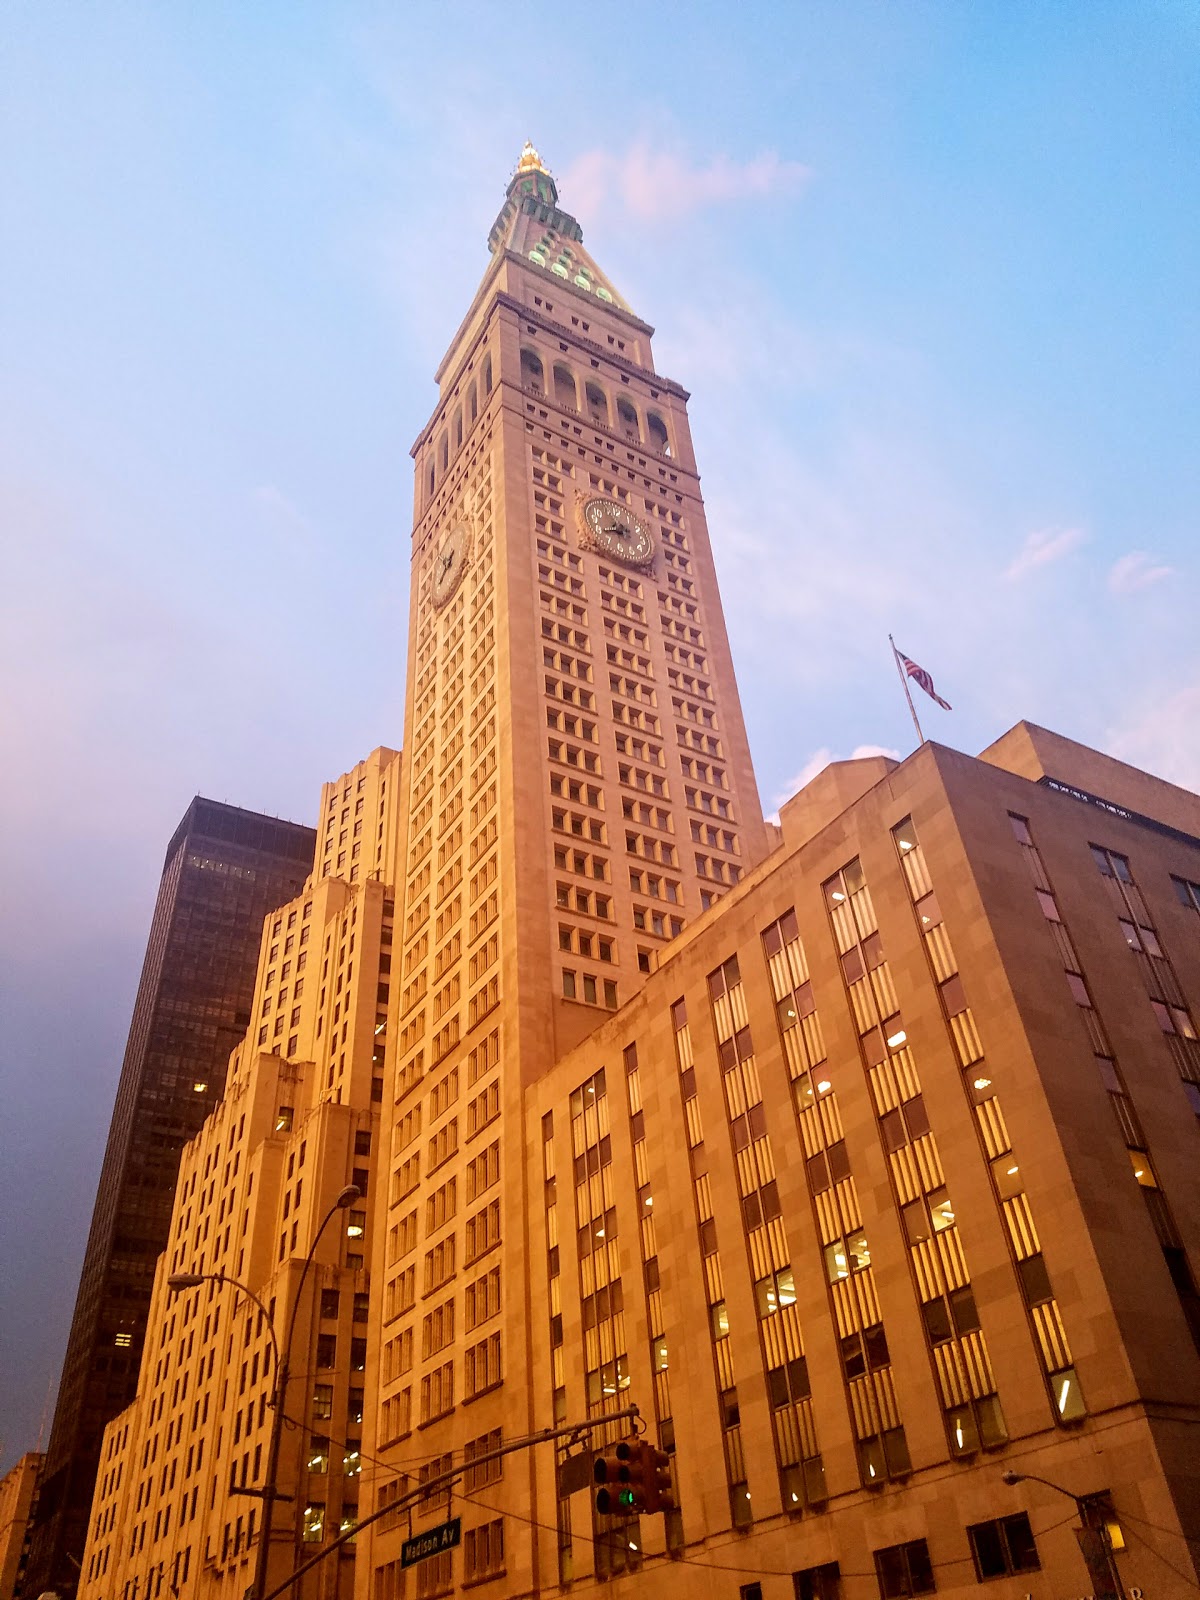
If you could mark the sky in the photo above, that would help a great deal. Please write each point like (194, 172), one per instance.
(929, 271)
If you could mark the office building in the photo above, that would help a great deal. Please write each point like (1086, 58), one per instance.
(279, 1270)
(225, 869)
(886, 1185)
(18, 1502)
(858, 1153)
(585, 877)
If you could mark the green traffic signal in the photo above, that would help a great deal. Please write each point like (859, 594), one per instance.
(636, 1479)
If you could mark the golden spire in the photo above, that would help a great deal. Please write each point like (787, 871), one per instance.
(530, 161)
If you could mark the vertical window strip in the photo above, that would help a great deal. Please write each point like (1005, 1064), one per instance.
(648, 1242)
(798, 1456)
(714, 1281)
(937, 1262)
(616, 1545)
(1116, 868)
(1158, 974)
(558, 1382)
(957, 1308)
(870, 1392)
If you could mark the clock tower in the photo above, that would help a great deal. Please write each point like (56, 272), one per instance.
(578, 788)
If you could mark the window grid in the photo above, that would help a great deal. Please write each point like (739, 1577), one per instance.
(714, 1279)
(798, 1455)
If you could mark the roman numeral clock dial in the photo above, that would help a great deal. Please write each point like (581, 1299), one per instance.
(450, 562)
(611, 527)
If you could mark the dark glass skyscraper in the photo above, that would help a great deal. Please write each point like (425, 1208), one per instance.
(225, 870)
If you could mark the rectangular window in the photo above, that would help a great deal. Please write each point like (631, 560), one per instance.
(904, 1569)
(818, 1583)
(482, 1366)
(1003, 1547)
(483, 1550)
(437, 1392)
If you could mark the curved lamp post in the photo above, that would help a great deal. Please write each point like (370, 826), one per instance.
(269, 1492)
(1094, 1543)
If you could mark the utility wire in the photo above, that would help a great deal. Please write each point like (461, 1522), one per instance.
(545, 1527)
(710, 1566)
(1188, 1578)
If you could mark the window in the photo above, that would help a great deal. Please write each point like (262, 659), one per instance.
(483, 1550)
(314, 1524)
(1068, 1399)
(848, 1255)
(322, 1405)
(478, 1477)
(1003, 1547)
(904, 1569)
(818, 1583)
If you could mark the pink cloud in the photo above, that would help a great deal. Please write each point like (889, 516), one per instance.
(647, 183)
(1041, 547)
(1135, 571)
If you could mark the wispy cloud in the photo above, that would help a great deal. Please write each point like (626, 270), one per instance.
(1136, 571)
(1041, 547)
(1163, 736)
(649, 183)
(817, 763)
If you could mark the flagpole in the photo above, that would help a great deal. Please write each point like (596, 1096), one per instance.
(907, 693)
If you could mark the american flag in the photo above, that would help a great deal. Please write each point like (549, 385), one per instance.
(919, 675)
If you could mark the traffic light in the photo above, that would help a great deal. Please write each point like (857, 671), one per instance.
(660, 1492)
(636, 1479)
(613, 1470)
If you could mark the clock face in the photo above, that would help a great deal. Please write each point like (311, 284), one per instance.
(450, 563)
(613, 528)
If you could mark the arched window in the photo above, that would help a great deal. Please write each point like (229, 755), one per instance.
(532, 376)
(565, 393)
(487, 375)
(458, 431)
(444, 451)
(432, 476)
(472, 403)
(657, 429)
(597, 404)
(627, 420)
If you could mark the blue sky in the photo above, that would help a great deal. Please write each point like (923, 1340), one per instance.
(929, 271)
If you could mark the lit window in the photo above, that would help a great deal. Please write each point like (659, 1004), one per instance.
(1068, 1401)
(1142, 1170)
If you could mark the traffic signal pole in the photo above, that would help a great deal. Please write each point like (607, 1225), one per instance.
(445, 1479)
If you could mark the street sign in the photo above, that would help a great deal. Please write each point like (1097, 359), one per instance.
(431, 1543)
(574, 1473)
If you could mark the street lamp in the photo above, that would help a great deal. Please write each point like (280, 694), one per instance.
(269, 1492)
(1095, 1543)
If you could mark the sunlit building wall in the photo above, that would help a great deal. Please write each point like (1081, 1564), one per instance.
(297, 1124)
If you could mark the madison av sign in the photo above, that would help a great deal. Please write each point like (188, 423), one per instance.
(431, 1543)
